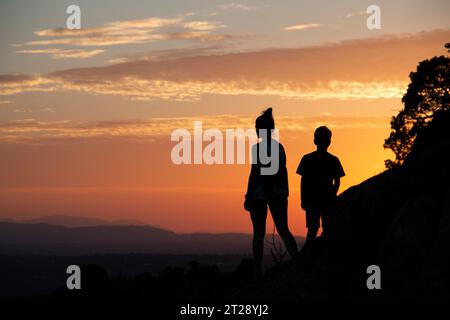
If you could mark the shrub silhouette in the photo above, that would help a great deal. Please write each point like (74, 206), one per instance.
(428, 93)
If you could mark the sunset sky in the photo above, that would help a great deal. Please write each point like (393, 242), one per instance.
(86, 115)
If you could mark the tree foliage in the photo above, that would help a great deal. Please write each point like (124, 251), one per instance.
(428, 93)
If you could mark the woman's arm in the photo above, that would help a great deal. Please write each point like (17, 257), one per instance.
(250, 188)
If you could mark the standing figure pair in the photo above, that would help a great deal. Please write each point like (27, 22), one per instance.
(321, 173)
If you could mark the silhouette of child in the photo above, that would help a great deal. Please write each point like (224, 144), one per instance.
(321, 173)
(268, 191)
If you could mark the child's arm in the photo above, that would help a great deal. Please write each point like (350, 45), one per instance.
(339, 172)
(302, 188)
(337, 184)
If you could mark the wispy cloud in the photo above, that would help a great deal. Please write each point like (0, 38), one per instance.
(143, 89)
(23, 111)
(323, 72)
(171, 54)
(37, 132)
(355, 14)
(302, 27)
(115, 28)
(203, 25)
(131, 31)
(48, 110)
(56, 53)
(238, 6)
(14, 84)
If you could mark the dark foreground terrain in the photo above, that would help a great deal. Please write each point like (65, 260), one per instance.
(33, 275)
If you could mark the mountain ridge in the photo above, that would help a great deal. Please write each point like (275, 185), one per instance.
(41, 238)
(75, 221)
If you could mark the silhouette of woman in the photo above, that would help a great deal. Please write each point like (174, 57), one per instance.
(268, 191)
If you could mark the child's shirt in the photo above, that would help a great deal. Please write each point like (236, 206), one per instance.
(318, 170)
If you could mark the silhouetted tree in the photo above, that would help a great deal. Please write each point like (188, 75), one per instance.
(428, 93)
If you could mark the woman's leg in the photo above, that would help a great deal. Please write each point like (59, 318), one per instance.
(258, 213)
(278, 209)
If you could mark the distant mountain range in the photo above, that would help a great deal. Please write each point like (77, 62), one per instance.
(77, 221)
(71, 235)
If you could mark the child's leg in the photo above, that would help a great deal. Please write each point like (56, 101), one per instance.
(312, 223)
(327, 216)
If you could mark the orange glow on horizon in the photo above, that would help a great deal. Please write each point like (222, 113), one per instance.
(116, 179)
